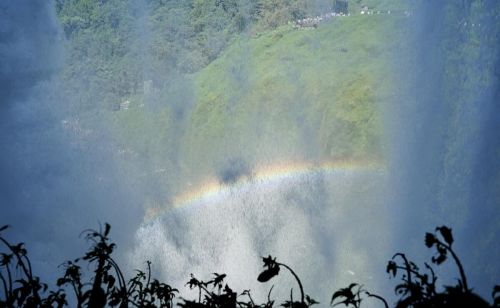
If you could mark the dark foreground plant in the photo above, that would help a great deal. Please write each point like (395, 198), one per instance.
(272, 268)
(417, 288)
(353, 296)
(106, 285)
(25, 290)
(220, 296)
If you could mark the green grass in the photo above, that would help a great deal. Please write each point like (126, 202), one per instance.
(290, 88)
(283, 94)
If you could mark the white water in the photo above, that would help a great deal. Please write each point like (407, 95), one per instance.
(332, 228)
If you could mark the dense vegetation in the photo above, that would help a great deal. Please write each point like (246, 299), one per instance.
(182, 87)
(107, 286)
(196, 83)
(116, 45)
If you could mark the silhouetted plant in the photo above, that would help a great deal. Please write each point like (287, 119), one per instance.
(349, 296)
(143, 292)
(432, 240)
(72, 277)
(25, 290)
(418, 289)
(415, 287)
(352, 296)
(251, 302)
(272, 268)
(108, 287)
(103, 289)
(223, 296)
(55, 299)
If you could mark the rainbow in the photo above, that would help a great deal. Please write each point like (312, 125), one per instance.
(212, 190)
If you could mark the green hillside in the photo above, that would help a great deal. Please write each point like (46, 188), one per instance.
(322, 84)
(205, 85)
(284, 94)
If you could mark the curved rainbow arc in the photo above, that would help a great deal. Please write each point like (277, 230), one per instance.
(212, 190)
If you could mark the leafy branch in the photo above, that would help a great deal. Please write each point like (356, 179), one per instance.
(272, 268)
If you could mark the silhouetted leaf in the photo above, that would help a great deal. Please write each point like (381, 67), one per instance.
(6, 258)
(19, 249)
(268, 274)
(193, 282)
(4, 227)
(430, 239)
(446, 233)
(62, 281)
(439, 259)
(311, 301)
(107, 228)
(269, 261)
(391, 268)
(218, 278)
(228, 290)
(425, 279)
(111, 281)
(346, 293)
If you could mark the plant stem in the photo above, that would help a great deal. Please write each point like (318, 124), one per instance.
(460, 268)
(458, 263)
(7, 295)
(379, 298)
(296, 278)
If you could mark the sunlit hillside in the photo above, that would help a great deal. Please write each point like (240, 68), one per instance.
(307, 93)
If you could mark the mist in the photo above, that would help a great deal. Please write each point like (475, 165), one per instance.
(57, 178)
(443, 130)
(202, 176)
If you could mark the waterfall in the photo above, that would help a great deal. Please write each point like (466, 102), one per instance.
(443, 126)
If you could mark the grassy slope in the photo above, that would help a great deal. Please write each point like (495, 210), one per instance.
(284, 94)
(295, 93)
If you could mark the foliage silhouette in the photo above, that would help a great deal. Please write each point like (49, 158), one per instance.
(107, 286)
(224, 297)
(353, 298)
(418, 289)
(272, 269)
